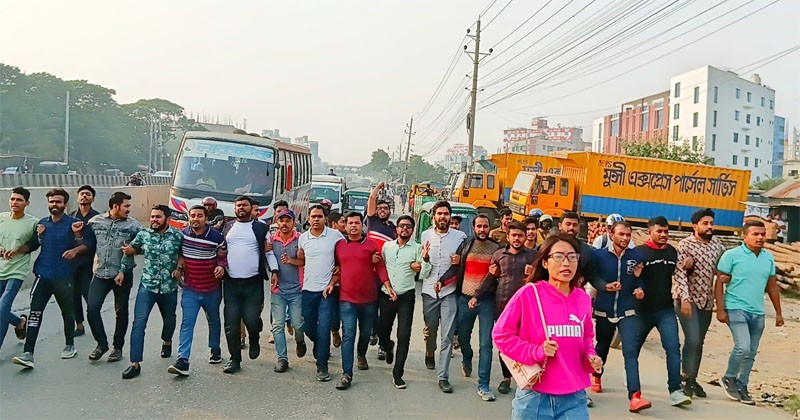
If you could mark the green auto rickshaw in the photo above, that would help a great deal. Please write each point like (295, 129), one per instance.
(355, 199)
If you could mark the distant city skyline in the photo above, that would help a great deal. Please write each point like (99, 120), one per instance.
(349, 74)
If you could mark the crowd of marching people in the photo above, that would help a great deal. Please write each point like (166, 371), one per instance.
(550, 303)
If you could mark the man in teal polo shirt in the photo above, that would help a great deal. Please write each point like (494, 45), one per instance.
(746, 271)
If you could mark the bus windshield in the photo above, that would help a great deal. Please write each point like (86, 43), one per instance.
(321, 192)
(225, 169)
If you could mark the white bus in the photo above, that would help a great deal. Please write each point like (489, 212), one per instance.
(328, 187)
(225, 166)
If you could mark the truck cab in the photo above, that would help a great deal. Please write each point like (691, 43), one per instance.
(478, 189)
(553, 194)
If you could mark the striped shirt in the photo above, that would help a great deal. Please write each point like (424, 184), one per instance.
(697, 284)
(477, 265)
(380, 231)
(200, 259)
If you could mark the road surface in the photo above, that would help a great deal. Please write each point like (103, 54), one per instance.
(78, 388)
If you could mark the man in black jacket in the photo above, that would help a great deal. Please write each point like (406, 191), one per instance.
(243, 285)
(570, 224)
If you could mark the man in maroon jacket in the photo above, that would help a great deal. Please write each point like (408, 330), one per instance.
(360, 263)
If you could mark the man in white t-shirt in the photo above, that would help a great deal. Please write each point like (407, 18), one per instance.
(316, 249)
(243, 291)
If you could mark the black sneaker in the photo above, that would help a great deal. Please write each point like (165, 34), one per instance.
(390, 353)
(504, 387)
(97, 353)
(323, 375)
(399, 383)
(282, 366)
(729, 388)
(115, 356)
(215, 358)
(381, 354)
(301, 349)
(131, 372)
(344, 383)
(166, 350)
(180, 367)
(254, 351)
(232, 367)
(466, 369)
(745, 397)
(697, 389)
(446, 387)
(373, 339)
(686, 387)
(430, 363)
(79, 332)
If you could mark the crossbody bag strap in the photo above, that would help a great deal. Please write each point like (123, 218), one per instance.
(541, 312)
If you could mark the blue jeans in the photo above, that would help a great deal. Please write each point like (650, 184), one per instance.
(145, 300)
(191, 302)
(364, 314)
(8, 291)
(278, 305)
(484, 312)
(528, 404)
(628, 330)
(666, 322)
(746, 329)
(317, 313)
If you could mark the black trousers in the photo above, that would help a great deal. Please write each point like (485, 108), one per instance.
(403, 310)
(98, 290)
(80, 288)
(243, 302)
(43, 289)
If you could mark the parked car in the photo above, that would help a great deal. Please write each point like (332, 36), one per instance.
(164, 174)
(12, 170)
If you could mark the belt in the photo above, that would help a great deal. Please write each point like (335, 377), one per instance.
(614, 320)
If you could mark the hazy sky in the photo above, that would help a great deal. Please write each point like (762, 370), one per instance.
(350, 73)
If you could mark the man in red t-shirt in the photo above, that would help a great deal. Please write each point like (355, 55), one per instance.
(360, 265)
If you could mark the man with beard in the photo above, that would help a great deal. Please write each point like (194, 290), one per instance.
(161, 246)
(440, 302)
(243, 286)
(507, 271)
(500, 234)
(317, 248)
(694, 293)
(83, 264)
(657, 310)
(618, 288)
(16, 244)
(570, 224)
(472, 262)
(403, 259)
(358, 296)
(747, 271)
(202, 267)
(531, 232)
(381, 230)
(113, 230)
(62, 238)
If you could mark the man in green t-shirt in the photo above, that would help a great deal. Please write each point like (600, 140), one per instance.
(17, 240)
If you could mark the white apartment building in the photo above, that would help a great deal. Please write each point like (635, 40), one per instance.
(597, 134)
(728, 118)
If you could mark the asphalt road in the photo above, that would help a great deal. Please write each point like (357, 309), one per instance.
(78, 388)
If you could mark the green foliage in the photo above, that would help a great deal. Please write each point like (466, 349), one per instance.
(768, 184)
(418, 169)
(103, 133)
(662, 150)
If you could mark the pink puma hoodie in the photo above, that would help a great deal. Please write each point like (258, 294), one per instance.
(519, 335)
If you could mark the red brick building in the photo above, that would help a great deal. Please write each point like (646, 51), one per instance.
(641, 120)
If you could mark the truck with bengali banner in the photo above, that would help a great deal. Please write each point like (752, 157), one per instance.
(596, 185)
(490, 190)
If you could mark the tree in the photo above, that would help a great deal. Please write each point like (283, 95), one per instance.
(660, 149)
(419, 170)
(379, 163)
(768, 184)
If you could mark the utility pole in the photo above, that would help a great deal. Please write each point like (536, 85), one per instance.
(66, 130)
(476, 58)
(410, 133)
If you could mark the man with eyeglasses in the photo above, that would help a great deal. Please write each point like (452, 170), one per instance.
(381, 230)
(509, 267)
(403, 260)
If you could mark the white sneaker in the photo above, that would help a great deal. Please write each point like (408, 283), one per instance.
(69, 352)
(678, 398)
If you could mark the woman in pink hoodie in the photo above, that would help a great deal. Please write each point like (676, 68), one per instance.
(568, 345)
